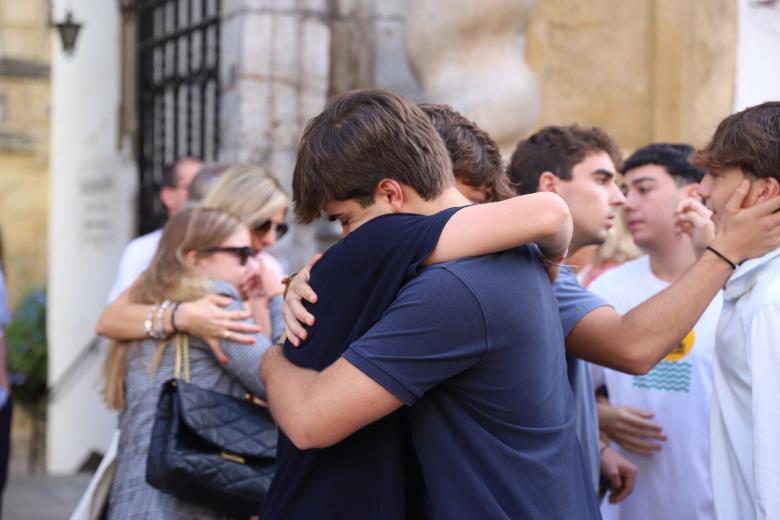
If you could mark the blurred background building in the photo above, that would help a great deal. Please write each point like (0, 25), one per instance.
(85, 133)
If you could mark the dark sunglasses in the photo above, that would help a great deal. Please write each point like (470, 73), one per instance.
(243, 253)
(265, 227)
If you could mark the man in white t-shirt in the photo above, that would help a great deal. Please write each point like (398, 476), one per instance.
(139, 252)
(660, 420)
(744, 153)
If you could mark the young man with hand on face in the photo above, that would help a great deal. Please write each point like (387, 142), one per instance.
(673, 400)
(583, 175)
(744, 155)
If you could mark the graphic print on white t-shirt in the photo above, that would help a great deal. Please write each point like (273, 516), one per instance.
(673, 483)
(673, 373)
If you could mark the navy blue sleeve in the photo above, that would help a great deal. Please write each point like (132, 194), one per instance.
(435, 329)
(358, 278)
(574, 301)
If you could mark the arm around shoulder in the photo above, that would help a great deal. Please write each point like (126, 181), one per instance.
(319, 409)
(543, 218)
(637, 340)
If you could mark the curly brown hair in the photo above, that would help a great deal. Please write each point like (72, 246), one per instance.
(749, 140)
(476, 159)
(557, 149)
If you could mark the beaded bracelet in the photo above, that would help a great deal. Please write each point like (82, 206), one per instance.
(173, 317)
(149, 322)
(160, 329)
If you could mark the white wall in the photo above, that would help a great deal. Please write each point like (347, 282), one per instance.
(92, 198)
(758, 53)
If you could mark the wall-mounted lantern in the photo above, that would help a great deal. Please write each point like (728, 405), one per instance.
(69, 31)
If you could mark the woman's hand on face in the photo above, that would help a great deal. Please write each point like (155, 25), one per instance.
(207, 319)
(260, 281)
(270, 281)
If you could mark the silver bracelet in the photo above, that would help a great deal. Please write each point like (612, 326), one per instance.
(160, 329)
(149, 322)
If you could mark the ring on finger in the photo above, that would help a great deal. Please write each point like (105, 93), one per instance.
(226, 335)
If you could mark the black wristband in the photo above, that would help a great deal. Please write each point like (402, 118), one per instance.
(722, 257)
(173, 317)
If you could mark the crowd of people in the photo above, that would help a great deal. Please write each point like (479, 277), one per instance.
(443, 360)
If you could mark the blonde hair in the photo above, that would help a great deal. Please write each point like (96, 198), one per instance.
(170, 277)
(248, 192)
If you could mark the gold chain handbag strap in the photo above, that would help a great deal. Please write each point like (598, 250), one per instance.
(181, 343)
(182, 364)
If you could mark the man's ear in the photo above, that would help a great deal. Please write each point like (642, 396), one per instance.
(166, 197)
(769, 190)
(392, 192)
(548, 181)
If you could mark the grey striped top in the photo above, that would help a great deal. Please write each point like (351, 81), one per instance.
(131, 497)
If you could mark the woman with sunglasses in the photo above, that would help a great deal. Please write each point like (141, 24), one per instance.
(202, 251)
(255, 197)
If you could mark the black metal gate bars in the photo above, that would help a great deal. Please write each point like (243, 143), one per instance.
(178, 91)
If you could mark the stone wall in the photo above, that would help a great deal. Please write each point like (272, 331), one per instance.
(470, 56)
(275, 65)
(24, 127)
(368, 47)
(644, 70)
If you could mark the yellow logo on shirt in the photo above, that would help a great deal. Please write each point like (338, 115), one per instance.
(683, 349)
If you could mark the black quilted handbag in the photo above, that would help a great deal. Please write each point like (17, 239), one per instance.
(210, 448)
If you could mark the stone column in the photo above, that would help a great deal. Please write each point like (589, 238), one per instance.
(275, 65)
(368, 47)
(469, 54)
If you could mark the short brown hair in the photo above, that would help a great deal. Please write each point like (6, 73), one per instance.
(476, 159)
(557, 149)
(749, 140)
(361, 138)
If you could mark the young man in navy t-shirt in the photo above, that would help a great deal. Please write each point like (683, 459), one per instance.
(476, 346)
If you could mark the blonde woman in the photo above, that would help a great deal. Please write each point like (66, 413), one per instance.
(256, 198)
(201, 252)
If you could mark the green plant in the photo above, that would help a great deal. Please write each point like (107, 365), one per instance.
(26, 346)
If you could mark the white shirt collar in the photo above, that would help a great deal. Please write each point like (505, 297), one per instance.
(744, 278)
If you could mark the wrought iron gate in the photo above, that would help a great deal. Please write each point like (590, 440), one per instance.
(178, 92)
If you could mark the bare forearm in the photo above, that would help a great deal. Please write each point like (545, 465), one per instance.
(638, 340)
(661, 323)
(540, 217)
(319, 409)
(288, 389)
(124, 321)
